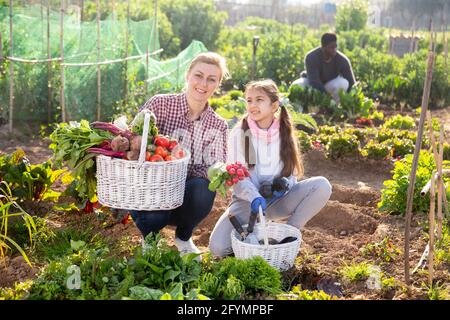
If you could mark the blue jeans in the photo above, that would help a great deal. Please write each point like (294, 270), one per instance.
(197, 204)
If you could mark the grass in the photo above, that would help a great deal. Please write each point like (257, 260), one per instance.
(60, 244)
(437, 292)
(354, 272)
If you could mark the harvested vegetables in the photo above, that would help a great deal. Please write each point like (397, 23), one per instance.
(77, 143)
(70, 142)
(222, 176)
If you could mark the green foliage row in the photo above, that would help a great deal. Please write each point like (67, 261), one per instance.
(155, 271)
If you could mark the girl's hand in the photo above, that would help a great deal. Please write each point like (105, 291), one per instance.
(256, 203)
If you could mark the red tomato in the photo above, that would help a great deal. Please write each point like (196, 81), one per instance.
(229, 183)
(148, 156)
(156, 158)
(179, 154)
(161, 141)
(161, 151)
(170, 158)
(172, 145)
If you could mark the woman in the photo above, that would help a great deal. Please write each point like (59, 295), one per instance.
(265, 142)
(189, 118)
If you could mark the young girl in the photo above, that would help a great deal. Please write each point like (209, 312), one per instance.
(264, 141)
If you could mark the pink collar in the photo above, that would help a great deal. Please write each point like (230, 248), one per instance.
(268, 135)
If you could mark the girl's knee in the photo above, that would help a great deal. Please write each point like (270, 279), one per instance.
(324, 187)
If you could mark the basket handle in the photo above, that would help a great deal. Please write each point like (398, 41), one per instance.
(144, 139)
(263, 226)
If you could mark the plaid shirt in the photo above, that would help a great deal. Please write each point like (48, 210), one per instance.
(205, 138)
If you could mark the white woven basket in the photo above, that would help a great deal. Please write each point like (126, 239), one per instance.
(280, 256)
(141, 185)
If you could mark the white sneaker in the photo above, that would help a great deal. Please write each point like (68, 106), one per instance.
(186, 247)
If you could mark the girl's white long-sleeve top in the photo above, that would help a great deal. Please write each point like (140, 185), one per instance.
(268, 163)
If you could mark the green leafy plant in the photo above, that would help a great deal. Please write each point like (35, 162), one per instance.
(304, 140)
(354, 272)
(442, 253)
(307, 99)
(27, 181)
(296, 293)
(376, 151)
(400, 147)
(385, 251)
(231, 278)
(341, 145)
(437, 291)
(353, 104)
(399, 122)
(69, 144)
(377, 117)
(9, 209)
(394, 193)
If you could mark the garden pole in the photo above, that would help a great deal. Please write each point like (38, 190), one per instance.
(431, 231)
(99, 73)
(11, 68)
(146, 56)
(42, 24)
(1, 52)
(440, 183)
(81, 22)
(61, 48)
(49, 68)
(411, 42)
(412, 176)
(431, 137)
(126, 52)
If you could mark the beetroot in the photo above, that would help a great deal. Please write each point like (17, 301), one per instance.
(132, 155)
(106, 152)
(106, 126)
(135, 144)
(120, 143)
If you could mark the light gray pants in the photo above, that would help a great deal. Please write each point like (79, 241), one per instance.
(332, 87)
(303, 201)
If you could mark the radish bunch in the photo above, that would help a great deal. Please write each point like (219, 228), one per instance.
(236, 172)
(222, 176)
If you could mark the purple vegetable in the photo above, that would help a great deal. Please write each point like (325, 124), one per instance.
(108, 153)
(112, 128)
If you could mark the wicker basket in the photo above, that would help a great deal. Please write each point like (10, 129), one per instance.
(280, 256)
(140, 185)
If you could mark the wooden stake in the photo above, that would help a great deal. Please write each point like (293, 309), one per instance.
(126, 51)
(1, 52)
(61, 48)
(99, 74)
(445, 200)
(412, 177)
(11, 68)
(431, 231)
(49, 68)
(411, 42)
(81, 22)
(440, 183)
(431, 137)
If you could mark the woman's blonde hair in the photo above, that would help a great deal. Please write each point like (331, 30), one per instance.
(214, 59)
(290, 152)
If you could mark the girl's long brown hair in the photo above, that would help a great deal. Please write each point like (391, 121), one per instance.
(290, 152)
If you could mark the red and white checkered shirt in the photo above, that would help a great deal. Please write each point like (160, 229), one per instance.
(205, 138)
